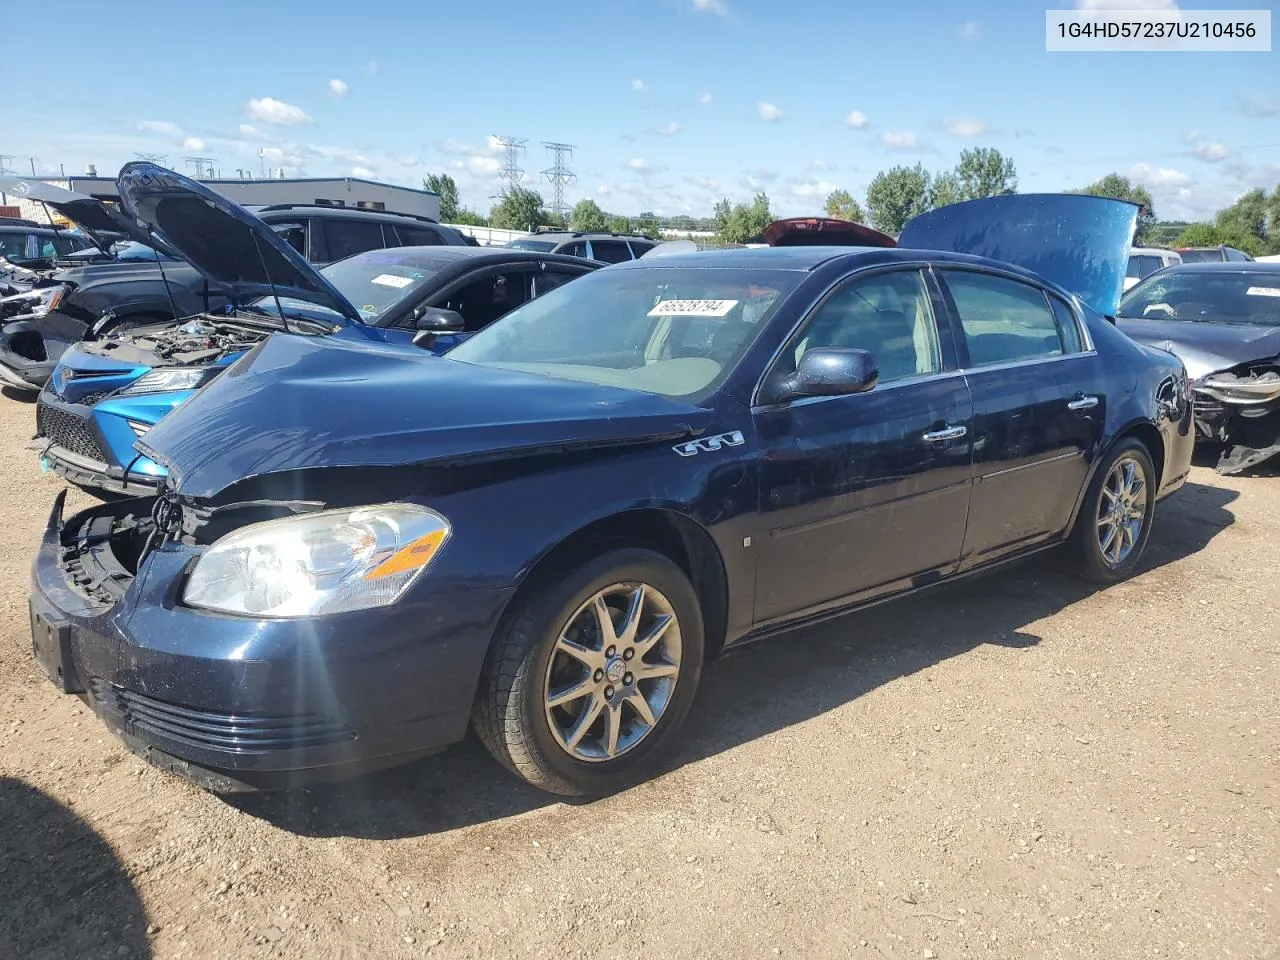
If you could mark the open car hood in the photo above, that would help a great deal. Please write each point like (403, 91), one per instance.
(1079, 242)
(223, 240)
(823, 232)
(101, 224)
(298, 403)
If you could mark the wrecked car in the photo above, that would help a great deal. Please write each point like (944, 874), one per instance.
(105, 393)
(1223, 320)
(360, 551)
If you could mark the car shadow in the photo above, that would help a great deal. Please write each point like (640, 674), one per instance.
(755, 690)
(65, 893)
(22, 396)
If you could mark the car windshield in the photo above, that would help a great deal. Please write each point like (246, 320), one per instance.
(1213, 255)
(1234, 297)
(373, 282)
(675, 331)
(542, 246)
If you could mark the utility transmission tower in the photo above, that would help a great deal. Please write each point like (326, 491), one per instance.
(202, 167)
(4, 163)
(159, 158)
(510, 173)
(559, 175)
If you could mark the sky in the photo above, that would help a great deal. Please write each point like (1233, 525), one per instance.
(670, 104)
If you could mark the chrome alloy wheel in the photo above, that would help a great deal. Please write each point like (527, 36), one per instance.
(1122, 509)
(612, 672)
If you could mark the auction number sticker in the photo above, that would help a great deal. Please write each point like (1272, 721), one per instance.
(391, 280)
(1263, 292)
(693, 308)
(1166, 30)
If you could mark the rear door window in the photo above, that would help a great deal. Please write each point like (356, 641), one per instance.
(486, 298)
(294, 233)
(419, 236)
(575, 249)
(551, 278)
(1004, 321)
(610, 251)
(346, 237)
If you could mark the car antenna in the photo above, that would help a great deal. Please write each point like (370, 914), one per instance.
(266, 272)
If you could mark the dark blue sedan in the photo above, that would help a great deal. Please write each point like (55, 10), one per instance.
(361, 551)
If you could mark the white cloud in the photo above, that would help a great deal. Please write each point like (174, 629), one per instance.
(271, 110)
(1129, 9)
(705, 98)
(855, 119)
(967, 128)
(669, 129)
(338, 87)
(768, 111)
(719, 7)
(639, 86)
(900, 140)
(969, 31)
(1205, 149)
(764, 175)
(193, 143)
(602, 190)
(1260, 108)
(703, 183)
(483, 165)
(364, 173)
(638, 164)
(812, 187)
(158, 126)
(253, 133)
(1158, 177)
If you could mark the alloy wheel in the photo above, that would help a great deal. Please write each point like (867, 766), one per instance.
(612, 672)
(1122, 510)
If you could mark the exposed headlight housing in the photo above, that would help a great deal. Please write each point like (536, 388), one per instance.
(172, 378)
(32, 303)
(1240, 390)
(319, 563)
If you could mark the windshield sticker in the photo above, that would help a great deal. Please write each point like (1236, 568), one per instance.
(1263, 291)
(391, 280)
(693, 308)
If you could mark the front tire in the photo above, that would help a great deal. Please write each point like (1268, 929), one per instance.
(1115, 519)
(593, 673)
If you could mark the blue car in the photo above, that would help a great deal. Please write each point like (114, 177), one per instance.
(360, 551)
(105, 394)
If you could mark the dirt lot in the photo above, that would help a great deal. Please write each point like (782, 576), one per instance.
(1014, 767)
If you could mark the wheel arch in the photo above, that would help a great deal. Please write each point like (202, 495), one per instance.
(680, 539)
(1146, 433)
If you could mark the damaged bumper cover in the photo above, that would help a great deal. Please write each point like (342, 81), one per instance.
(1240, 409)
(233, 703)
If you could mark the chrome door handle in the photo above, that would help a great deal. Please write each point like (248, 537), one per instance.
(1083, 403)
(949, 433)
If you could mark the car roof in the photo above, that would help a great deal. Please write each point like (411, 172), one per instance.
(490, 254)
(1224, 266)
(39, 231)
(322, 210)
(1151, 251)
(560, 236)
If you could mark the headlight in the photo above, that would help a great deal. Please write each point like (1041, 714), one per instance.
(319, 563)
(33, 303)
(1241, 390)
(172, 378)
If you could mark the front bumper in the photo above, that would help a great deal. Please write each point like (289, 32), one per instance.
(71, 444)
(235, 704)
(1250, 434)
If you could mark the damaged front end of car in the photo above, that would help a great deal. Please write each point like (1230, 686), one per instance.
(1240, 408)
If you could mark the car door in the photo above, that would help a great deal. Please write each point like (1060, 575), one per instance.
(867, 493)
(1039, 405)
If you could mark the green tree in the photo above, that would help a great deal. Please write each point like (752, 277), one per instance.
(1212, 235)
(946, 189)
(618, 224)
(841, 205)
(897, 195)
(444, 185)
(587, 217)
(1251, 216)
(520, 209)
(1117, 187)
(469, 218)
(984, 172)
(743, 222)
(648, 224)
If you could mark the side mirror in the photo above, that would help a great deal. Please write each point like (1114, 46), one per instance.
(433, 321)
(831, 372)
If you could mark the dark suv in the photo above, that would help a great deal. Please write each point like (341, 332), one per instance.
(602, 247)
(50, 308)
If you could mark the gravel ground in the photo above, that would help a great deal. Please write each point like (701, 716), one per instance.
(1016, 766)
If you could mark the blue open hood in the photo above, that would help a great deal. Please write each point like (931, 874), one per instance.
(1079, 242)
(223, 240)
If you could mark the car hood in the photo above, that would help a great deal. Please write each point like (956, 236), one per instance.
(1205, 347)
(101, 224)
(1078, 242)
(297, 403)
(224, 241)
(823, 232)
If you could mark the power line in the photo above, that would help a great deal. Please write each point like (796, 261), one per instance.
(559, 175)
(202, 167)
(510, 172)
(159, 158)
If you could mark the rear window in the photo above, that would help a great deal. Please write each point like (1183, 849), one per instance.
(1201, 256)
(542, 246)
(419, 236)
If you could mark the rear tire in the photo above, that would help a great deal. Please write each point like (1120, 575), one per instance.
(580, 708)
(1114, 523)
